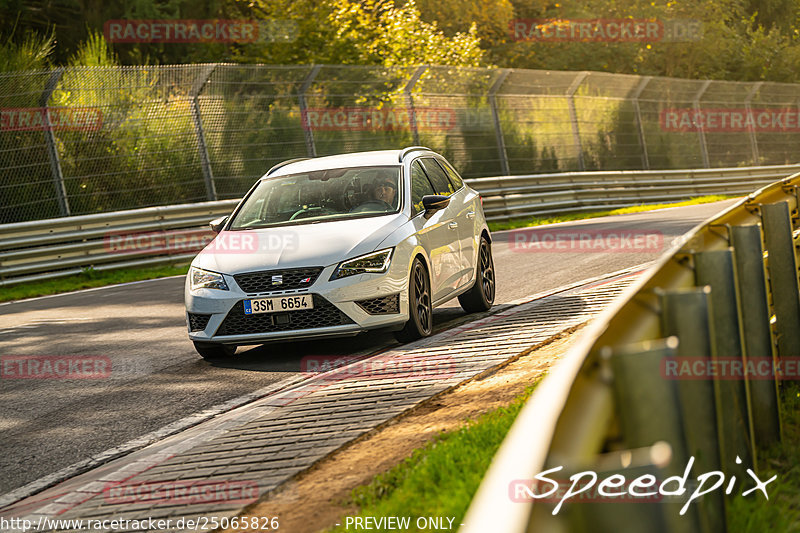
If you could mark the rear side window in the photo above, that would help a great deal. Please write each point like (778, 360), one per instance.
(420, 186)
(437, 176)
(452, 174)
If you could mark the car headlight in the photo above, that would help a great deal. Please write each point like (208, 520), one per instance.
(375, 262)
(203, 279)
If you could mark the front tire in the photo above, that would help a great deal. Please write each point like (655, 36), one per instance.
(420, 310)
(214, 352)
(481, 296)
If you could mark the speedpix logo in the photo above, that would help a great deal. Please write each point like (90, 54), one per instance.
(617, 487)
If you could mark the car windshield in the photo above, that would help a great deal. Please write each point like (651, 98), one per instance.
(322, 195)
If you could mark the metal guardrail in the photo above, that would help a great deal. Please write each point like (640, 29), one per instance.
(548, 194)
(58, 247)
(727, 291)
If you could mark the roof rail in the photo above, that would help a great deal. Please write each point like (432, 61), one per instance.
(406, 151)
(287, 162)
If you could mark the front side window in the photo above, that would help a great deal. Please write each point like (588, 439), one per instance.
(452, 174)
(321, 196)
(420, 186)
(437, 176)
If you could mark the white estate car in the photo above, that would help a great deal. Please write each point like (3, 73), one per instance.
(339, 245)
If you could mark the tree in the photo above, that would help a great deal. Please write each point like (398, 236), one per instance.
(370, 32)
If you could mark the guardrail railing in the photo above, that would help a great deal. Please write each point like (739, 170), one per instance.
(510, 197)
(140, 237)
(680, 376)
(157, 235)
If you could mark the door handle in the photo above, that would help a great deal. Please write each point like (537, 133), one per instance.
(452, 225)
(470, 214)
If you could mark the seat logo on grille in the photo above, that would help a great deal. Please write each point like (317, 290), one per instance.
(277, 280)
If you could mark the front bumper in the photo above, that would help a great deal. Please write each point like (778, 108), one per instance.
(341, 307)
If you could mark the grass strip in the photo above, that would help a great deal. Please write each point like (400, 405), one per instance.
(539, 221)
(88, 279)
(754, 514)
(440, 478)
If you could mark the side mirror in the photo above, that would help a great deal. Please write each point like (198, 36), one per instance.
(434, 202)
(217, 223)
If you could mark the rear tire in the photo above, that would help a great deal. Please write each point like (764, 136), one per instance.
(481, 296)
(420, 310)
(211, 351)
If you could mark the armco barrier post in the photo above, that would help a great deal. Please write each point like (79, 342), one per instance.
(611, 516)
(749, 256)
(647, 403)
(650, 411)
(782, 268)
(685, 314)
(716, 269)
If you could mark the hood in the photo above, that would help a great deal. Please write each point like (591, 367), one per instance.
(303, 245)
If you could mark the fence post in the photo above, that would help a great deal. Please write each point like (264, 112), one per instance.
(50, 141)
(498, 130)
(701, 134)
(639, 123)
(205, 161)
(573, 117)
(750, 129)
(412, 114)
(301, 98)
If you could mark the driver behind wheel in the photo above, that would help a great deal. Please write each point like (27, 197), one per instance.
(382, 194)
(385, 190)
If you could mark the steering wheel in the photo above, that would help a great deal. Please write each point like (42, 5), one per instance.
(349, 194)
(322, 211)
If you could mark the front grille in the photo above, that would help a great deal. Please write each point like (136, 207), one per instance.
(295, 278)
(385, 305)
(198, 322)
(324, 314)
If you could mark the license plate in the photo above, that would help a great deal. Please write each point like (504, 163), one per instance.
(280, 304)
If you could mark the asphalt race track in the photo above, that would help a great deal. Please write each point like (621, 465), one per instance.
(156, 377)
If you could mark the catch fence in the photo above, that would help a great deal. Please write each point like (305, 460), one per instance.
(83, 140)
